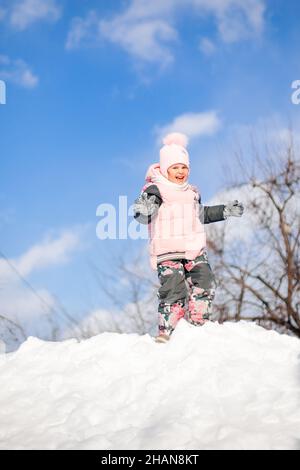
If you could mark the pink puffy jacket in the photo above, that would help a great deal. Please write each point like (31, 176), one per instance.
(177, 226)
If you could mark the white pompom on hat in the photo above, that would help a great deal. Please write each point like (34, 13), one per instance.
(173, 151)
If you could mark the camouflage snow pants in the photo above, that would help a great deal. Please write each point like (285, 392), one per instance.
(187, 286)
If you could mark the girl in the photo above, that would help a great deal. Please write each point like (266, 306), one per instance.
(172, 208)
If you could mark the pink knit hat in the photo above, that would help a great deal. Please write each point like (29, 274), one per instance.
(173, 151)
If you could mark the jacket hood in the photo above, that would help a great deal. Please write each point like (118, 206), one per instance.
(153, 173)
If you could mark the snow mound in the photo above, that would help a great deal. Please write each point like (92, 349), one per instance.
(230, 386)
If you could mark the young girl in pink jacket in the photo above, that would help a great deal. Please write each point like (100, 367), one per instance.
(172, 208)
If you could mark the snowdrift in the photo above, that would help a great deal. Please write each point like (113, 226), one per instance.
(231, 386)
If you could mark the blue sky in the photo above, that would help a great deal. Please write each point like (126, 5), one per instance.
(91, 86)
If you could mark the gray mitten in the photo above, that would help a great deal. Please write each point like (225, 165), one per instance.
(234, 208)
(144, 205)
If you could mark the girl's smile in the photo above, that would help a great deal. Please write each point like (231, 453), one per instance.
(178, 173)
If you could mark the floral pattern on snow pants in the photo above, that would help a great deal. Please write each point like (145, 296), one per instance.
(187, 287)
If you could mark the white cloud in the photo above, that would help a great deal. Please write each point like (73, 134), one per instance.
(237, 229)
(207, 46)
(268, 132)
(95, 322)
(144, 40)
(18, 72)
(244, 235)
(267, 138)
(124, 320)
(35, 312)
(33, 308)
(18, 303)
(26, 12)
(235, 19)
(82, 30)
(146, 30)
(47, 253)
(192, 124)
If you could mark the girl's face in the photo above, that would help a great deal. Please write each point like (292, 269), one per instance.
(178, 173)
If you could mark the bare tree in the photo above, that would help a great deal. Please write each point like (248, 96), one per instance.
(11, 334)
(255, 258)
(259, 273)
(131, 289)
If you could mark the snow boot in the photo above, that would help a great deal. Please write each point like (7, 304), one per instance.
(162, 338)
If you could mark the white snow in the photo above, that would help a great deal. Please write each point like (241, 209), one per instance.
(230, 386)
